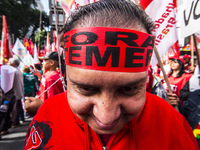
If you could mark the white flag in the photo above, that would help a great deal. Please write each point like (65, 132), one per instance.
(22, 54)
(7, 77)
(35, 60)
(163, 13)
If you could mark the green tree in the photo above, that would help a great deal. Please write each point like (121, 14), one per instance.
(41, 37)
(20, 16)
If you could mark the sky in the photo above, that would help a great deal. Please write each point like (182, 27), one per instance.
(45, 4)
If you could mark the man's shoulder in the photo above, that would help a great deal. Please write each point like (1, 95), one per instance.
(158, 105)
(53, 106)
(57, 98)
(157, 110)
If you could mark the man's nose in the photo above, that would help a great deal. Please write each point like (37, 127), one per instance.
(107, 108)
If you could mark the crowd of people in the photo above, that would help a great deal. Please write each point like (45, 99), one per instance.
(42, 80)
(111, 101)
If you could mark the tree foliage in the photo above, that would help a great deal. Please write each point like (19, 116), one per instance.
(21, 15)
(40, 37)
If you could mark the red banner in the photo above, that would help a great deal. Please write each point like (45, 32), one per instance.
(4, 43)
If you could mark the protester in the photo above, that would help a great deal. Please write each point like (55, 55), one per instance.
(18, 89)
(52, 76)
(177, 78)
(32, 105)
(51, 84)
(38, 75)
(29, 82)
(167, 66)
(150, 79)
(191, 85)
(2, 114)
(190, 94)
(188, 67)
(38, 66)
(9, 98)
(156, 70)
(106, 105)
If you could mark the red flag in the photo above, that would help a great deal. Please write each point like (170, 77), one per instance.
(31, 47)
(26, 44)
(55, 41)
(176, 49)
(5, 52)
(39, 53)
(48, 47)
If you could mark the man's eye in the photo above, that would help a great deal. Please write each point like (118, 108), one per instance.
(128, 90)
(87, 90)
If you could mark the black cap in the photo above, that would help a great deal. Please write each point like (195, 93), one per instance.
(51, 55)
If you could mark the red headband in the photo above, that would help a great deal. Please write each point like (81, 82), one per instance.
(108, 49)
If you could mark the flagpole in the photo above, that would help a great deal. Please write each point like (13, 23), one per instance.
(192, 50)
(40, 29)
(164, 73)
(62, 79)
(197, 51)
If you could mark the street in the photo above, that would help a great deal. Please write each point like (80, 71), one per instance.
(14, 140)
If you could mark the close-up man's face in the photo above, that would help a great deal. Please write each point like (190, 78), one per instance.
(105, 100)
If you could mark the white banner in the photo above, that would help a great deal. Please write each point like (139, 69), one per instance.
(7, 77)
(22, 54)
(35, 60)
(163, 14)
(190, 22)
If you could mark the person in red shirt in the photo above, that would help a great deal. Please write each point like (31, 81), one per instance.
(150, 79)
(156, 70)
(51, 83)
(188, 67)
(106, 105)
(177, 79)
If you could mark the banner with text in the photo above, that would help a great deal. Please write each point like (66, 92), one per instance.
(190, 17)
(163, 13)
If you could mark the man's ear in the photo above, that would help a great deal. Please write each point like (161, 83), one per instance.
(52, 62)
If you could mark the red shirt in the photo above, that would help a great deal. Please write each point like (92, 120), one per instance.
(158, 126)
(47, 80)
(177, 83)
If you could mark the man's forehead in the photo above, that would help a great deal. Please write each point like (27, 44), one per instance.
(80, 74)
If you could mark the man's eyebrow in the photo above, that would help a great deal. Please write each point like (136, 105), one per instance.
(78, 83)
(136, 82)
